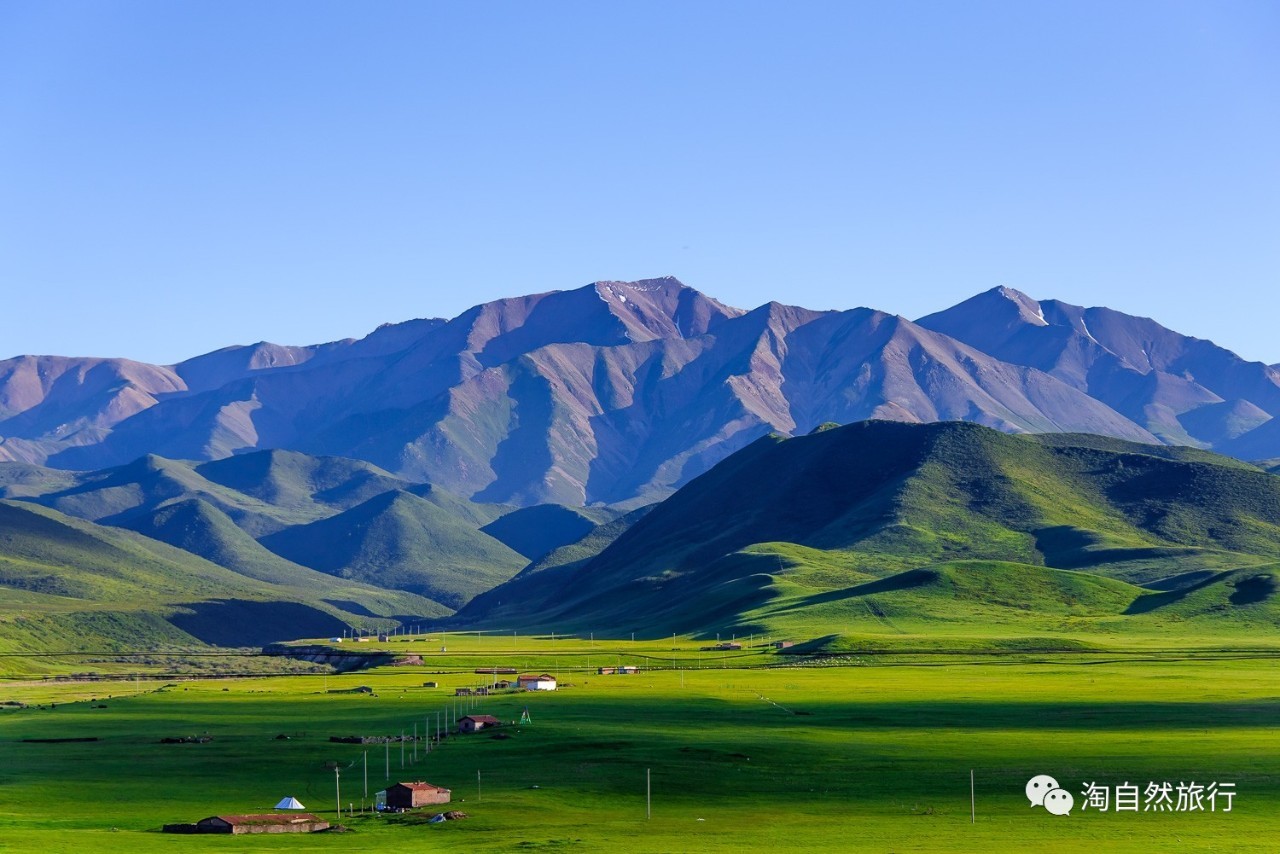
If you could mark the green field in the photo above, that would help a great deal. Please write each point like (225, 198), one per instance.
(869, 752)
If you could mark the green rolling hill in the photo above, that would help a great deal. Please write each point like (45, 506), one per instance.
(400, 541)
(67, 584)
(800, 531)
(346, 531)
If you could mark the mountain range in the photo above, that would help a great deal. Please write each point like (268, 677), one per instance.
(618, 393)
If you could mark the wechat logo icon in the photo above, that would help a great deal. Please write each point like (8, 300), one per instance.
(1044, 791)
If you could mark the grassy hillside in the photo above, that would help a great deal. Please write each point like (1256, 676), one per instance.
(202, 529)
(872, 500)
(67, 584)
(402, 536)
(536, 531)
(400, 541)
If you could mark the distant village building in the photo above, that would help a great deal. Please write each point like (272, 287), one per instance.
(430, 685)
(266, 823)
(503, 685)
(462, 692)
(606, 671)
(783, 644)
(475, 723)
(543, 682)
(409, 795)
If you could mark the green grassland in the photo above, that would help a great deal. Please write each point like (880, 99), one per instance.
(868, 753)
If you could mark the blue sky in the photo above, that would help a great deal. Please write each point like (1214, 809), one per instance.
(176, 177)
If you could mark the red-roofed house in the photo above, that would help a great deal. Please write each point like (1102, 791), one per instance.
(475, 723)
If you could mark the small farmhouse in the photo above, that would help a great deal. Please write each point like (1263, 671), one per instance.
(543, 682)
(419, 794)
(475, 723)
(266, 823)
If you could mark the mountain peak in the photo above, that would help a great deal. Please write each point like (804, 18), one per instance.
(1000, 313)
(1029, 310)
(642, 285)
(663, 307)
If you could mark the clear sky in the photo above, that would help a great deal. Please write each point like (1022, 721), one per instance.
(176, 177)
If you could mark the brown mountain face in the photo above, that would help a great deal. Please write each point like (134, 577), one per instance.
(620, 392)
(1183, 390)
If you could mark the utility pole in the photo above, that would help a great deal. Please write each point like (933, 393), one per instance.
(401, 750)
(366, 777)
(479, 796)
(337, 792)
(973, 806)
(387, 745)
(648, 795)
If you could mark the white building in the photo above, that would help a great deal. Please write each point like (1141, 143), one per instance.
(543, 682)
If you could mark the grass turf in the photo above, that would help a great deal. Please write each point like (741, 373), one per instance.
(873, 757)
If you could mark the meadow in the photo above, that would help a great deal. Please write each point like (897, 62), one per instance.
(743, 750)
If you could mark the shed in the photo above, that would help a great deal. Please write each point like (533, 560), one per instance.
(417, 794)
(264, 823)
(475, 723)
(542, 682)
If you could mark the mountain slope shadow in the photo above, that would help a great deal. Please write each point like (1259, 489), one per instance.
(241, 622)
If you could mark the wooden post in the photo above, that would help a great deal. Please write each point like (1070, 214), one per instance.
(973, 808)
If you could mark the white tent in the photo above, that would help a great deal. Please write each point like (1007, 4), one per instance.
(290, 803)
